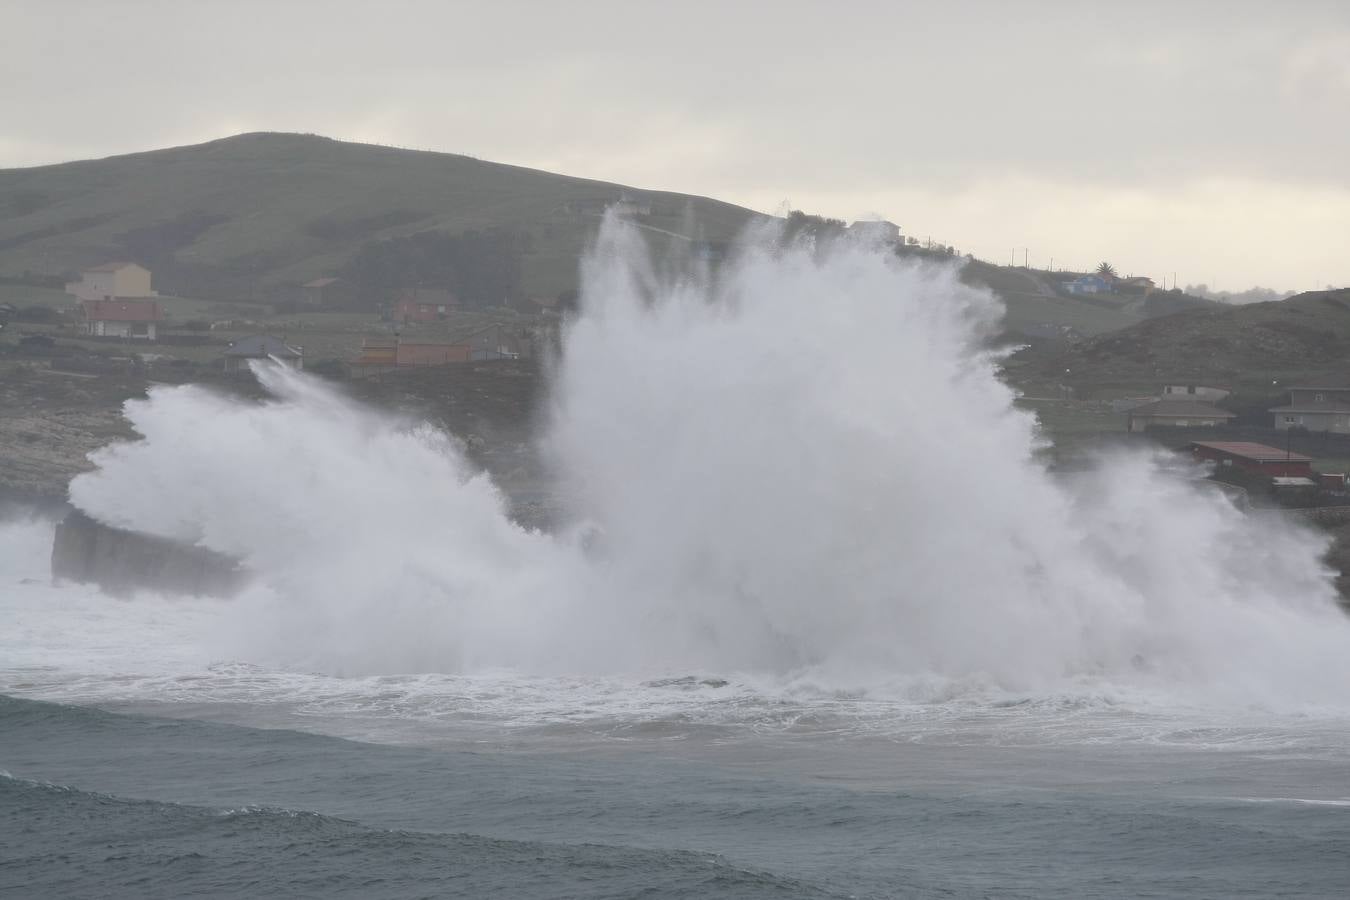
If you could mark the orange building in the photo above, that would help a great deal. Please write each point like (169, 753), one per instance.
(385, 354)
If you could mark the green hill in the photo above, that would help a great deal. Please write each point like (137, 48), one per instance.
(255, 212)
(1257, 347)
(250, 217)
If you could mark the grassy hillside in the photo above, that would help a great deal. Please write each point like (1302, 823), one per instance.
(251, 212)
(1035, 309)
(249, 217)
(1254, 348)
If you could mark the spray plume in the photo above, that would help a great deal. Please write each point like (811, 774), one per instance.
(805, 465)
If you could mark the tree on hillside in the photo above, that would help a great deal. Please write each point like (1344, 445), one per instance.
(1107, 271)
(800, 225)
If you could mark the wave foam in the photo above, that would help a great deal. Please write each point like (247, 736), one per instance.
(806, 469)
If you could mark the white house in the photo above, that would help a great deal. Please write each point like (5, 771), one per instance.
(120, 318)
(112, 281)
(1316, 409)
(878, 230)
(1177, 413)
(1181, 406)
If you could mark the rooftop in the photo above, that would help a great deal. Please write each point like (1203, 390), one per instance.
(121, 310)
(111, 267)
(1193, 409)
(1252, 451)
(259, 346)
(1342, 408)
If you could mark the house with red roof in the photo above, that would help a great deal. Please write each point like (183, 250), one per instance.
(135, 319)
(1257, 459)
(421, 304)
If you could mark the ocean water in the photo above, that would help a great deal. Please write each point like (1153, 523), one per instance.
(815, 623)
(128, 776)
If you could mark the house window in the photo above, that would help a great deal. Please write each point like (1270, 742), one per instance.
(1319, 398)
(1291, 420)
(1227, 462)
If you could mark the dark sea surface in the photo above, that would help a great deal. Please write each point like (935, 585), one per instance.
(118, 804)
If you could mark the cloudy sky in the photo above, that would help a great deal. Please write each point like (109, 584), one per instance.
(1209, 139)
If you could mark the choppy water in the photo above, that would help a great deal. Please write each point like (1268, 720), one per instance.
(148, 769)
(123, 805)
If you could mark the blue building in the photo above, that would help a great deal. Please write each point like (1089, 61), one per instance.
(1088, 284)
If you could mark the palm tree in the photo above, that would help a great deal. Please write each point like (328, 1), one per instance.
(1107, 271)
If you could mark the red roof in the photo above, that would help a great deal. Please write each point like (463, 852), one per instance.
(121, 310)
(1249, 450)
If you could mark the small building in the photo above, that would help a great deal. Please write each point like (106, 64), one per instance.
(629, 205)
(1194, 392)
(112, 281)
(261, 346)
(1256, 459)
(876, 230)
(120, 318)
(544, 306)
(1316, 409)
(1135, 284)
(1331, 481)
(421, 304)
(323, 292)
(1088, 284)
(378, 353)
(429, 353)
(386, 354)
(500, 341)
(1177, 413)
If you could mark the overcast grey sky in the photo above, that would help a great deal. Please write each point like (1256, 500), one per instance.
(1207, 138)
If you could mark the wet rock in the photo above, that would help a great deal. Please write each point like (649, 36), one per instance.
(122, 562)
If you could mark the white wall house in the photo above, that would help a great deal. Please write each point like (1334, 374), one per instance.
(876, 230)
(1316, 409)
(112, 281)
(1177, 412)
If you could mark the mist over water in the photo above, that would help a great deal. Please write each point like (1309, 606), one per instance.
(805, 469)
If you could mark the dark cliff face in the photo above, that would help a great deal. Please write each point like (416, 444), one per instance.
(121, 562)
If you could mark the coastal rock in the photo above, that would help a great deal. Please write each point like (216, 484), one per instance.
(122, 562)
